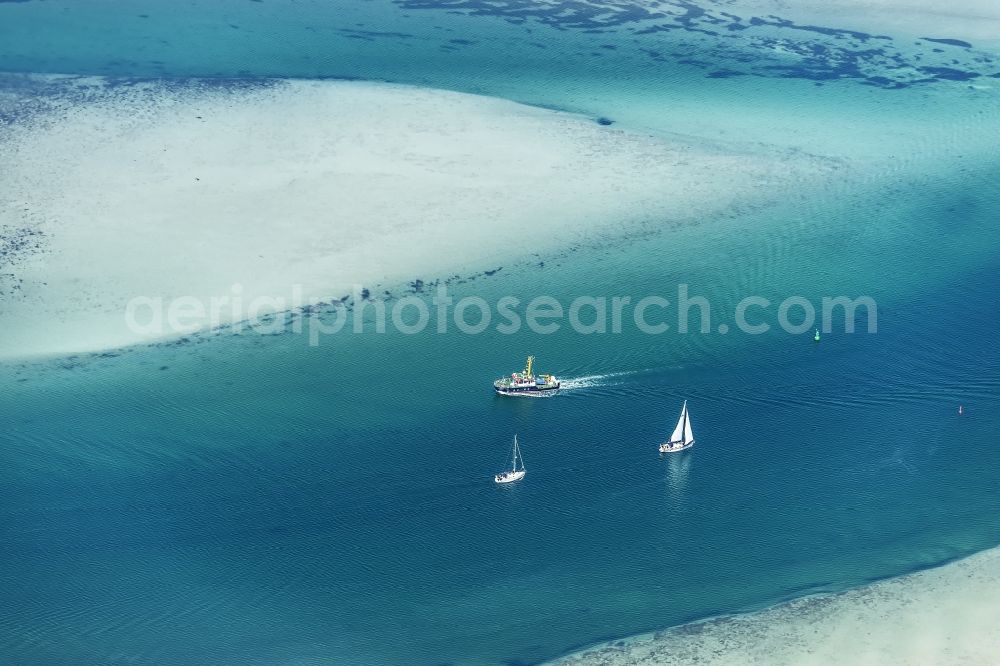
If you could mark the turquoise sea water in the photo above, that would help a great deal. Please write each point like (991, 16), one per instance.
(255, 500)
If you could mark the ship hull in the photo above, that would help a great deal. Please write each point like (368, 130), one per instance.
(527, 391)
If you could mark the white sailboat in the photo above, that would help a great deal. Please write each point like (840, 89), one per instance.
(514, 474)
(682, 437)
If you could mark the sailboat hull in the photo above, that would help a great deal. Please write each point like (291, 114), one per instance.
(675, 447)
(509, 477)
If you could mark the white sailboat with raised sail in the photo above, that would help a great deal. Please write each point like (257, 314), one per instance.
(682, 438)
(514, 474)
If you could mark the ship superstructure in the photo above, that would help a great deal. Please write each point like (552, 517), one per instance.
(527, 383)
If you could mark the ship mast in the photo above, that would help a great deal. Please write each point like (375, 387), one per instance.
(527, 369)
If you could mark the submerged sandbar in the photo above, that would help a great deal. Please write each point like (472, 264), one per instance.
(946, 615)
(170, 189)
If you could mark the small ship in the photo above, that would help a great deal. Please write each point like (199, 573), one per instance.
(526, 383)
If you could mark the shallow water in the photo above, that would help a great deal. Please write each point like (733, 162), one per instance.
(260, 500)
(255, 500)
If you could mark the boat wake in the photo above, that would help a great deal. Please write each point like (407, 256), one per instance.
(594, 381)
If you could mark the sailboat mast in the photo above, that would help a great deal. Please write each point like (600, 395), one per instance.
(513, 460)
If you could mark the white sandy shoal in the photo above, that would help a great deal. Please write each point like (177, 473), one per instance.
(943, 616)
(185, 190)
(972, 20)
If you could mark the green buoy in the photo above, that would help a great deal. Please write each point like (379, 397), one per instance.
(816, 337)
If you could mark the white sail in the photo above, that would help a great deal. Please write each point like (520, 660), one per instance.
(682, 424)
(688, 435)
